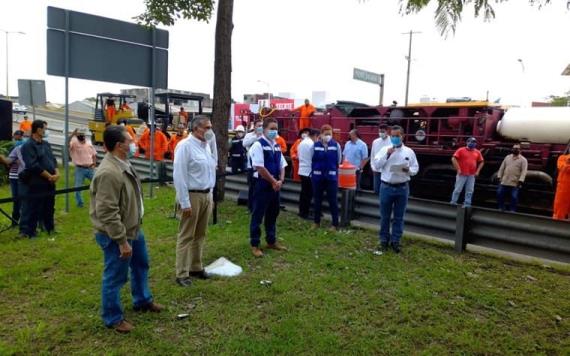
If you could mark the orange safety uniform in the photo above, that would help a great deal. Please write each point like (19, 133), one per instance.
(562, 197)
(160, 144)
(295, 159)
(111, 111)
(174, 139)
(305, 115)
(26, 126)
(281, 142)
(131, 132)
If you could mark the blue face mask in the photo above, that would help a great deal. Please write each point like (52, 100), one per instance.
(46, 135)
(18, 143)
(259, 130)
(396, 140)
(271, 134)
(471, 145)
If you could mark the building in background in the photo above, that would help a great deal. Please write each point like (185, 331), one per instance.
(190, 106)
(319, 99)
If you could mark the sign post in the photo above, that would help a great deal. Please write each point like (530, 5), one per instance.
(79, 46)
(370, 77)
(32, 93)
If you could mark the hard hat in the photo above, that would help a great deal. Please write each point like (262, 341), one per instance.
(240, 128)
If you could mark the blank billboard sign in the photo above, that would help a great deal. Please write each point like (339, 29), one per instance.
(31, 92)
(105, 49)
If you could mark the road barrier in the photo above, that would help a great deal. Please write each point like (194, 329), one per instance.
(523, 234)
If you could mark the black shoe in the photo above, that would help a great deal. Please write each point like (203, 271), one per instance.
(383, 247)
(396, 248)
(184, 282)
(199, 274)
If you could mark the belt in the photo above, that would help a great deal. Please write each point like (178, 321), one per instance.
(204, 191)
(395, 185)
(85, 167)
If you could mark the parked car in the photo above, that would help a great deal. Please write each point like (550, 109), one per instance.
(19, 109)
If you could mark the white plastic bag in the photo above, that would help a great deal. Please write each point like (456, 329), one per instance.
(224, 268)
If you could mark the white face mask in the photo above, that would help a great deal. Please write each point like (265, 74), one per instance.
(132, 149)
(327, 138)
(304, 136)
(208, 135)
(382, 134)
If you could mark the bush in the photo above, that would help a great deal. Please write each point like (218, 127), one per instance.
(5, 148)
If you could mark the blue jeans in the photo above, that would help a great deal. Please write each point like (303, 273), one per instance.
(265, 208)
(331, 187)
(80, 175)
(17, 205)
(377, 182)
(115, 275)
(514, 193)
(392, 199)
(463, 181)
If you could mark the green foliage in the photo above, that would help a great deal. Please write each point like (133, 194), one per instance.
(330, 295)
(5, 148)
(560, 100)
(448, 12)
(167, 12)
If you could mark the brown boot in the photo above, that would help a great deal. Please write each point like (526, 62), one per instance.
(257, 252)
(315, 226)
(123, 327)
(150, 307)
(277, 246)
(333, 229)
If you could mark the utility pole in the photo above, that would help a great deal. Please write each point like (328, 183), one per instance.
(7, 69)
(411, 34)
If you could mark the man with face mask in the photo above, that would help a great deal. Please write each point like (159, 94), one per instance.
(324, 173)
(468, 163)
(237, 151)
(84, 157)
(382, 141)
(511, 175)
(175, 139)
(398, 164)
(38, 181)
(116, 212)
(194, 180)
(248, 141)
(269, 175)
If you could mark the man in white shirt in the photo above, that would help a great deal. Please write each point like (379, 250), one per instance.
(269, 174)
(194, 180)
(249, 139)
(397, 164)
(305, 154)
(377, 145)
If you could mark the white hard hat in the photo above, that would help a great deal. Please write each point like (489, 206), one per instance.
(240, 128)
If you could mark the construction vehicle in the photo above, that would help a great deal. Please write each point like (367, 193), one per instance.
(109, 110)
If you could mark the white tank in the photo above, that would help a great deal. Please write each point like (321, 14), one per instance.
(537, 125)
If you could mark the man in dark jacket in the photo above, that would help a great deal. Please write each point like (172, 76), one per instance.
(37, 182)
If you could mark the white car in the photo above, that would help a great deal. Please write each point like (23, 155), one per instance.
(19, 109)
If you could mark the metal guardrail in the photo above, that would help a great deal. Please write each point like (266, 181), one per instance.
(529, 235)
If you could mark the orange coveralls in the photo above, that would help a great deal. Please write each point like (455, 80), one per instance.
(295, 159)
(160, 144)
(305, 115)
(281, 142)
(562, 197)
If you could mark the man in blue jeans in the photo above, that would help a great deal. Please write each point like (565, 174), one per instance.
(116, 212)
(468, 162)
(397, 164)
(84, 157)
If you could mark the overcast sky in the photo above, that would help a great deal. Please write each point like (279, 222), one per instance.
(299, 46)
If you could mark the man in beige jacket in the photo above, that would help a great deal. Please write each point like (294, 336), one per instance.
(116, 212)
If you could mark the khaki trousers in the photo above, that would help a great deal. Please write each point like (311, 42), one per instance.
(192, 235)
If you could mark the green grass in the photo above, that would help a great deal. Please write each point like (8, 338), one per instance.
(330, 295)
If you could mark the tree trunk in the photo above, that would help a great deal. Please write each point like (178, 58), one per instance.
(222, 85)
